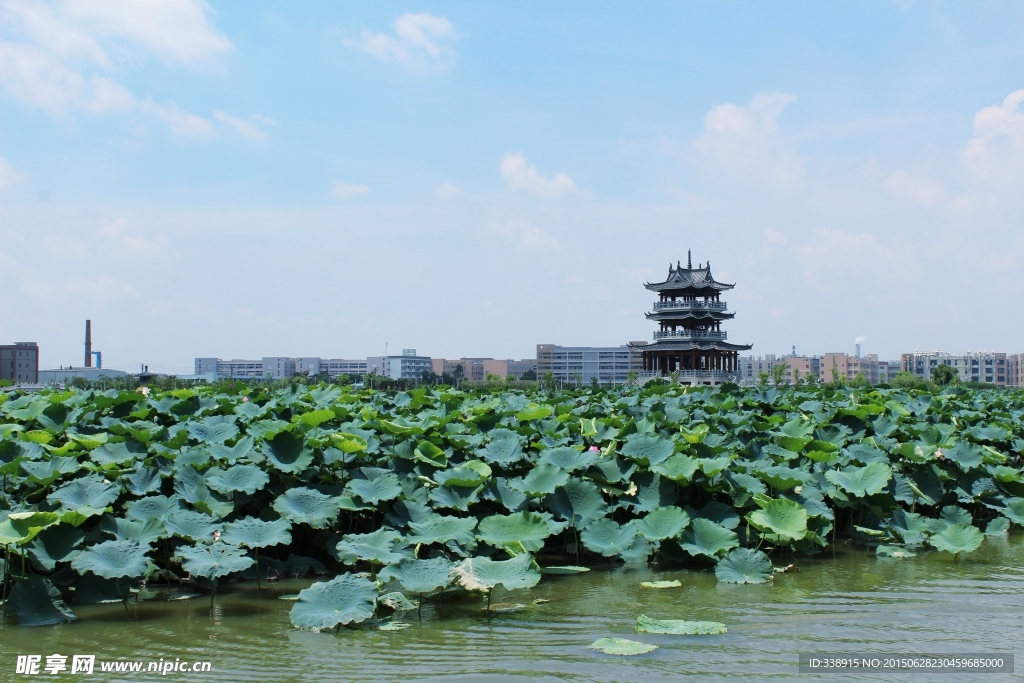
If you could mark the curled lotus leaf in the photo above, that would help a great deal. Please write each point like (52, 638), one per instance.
(462, 476)
(246, 478)
(455, 497)
(315, 418)
(307, 506)
(622, 647)
(568, 458)
(578, 501)
(60, 543)
(22, 527)
(679, 627)
(664, 522)
(37, 602)
(781, 516)
(90, 492)
(957, 538)
(648, 449)
(253, 532)
(607, 537)
(214, 560)
(541, 480)
(704, 537)
(396, 601)
(861, 481)
(348, 443)
(45, 472)
(528, 528)
(744, 565)
(383, 546)
(483, 574)
(679, 467)
(113, 559)
(288, 452)
(429, 453)
(419, 576)
(442, 529)
(345, 599)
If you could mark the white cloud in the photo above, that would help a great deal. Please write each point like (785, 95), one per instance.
(996, 152)
(744, 140)
(522, 176)
(446, 191)
(246, 129)
(921, 190)
(419, 40)
(9, 175)
(522, 233)
(345, 190)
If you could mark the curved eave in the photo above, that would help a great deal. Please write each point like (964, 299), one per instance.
(699, 345)
(690, 315)
(684, 286)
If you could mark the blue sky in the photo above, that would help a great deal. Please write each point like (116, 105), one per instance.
(242, 179)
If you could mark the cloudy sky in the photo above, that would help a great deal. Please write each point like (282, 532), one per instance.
(243, 179)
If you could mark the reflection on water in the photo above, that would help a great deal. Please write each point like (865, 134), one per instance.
(847, 601)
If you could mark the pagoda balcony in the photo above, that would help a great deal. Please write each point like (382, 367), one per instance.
(689, 334)
(689, 305)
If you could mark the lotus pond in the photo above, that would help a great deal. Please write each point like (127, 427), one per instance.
(433, 517)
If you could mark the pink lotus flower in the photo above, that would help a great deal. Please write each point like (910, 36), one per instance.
(595, 449)
(216, 535)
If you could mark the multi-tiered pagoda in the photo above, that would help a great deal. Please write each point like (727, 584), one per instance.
(689, 340)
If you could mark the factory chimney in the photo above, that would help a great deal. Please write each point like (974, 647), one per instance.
(88, 343)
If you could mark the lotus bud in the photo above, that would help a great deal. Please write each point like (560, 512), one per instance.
(798, 490)
(594, 449)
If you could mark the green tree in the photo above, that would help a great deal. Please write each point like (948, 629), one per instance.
(796, 376)
(835, 376)
(904, 380)
(860, 381)
(577, 378)
(778, 372)
(631, 377)
(529, 375)
(811, 379)
(943, 375)
(549, 381)
(595, 384)
(762, 378)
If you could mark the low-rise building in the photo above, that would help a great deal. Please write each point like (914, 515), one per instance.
(973, 366)
(19, 362)
(65, 375)
(609, 364)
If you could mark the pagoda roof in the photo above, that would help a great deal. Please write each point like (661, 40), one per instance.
(688, 278)
(690, 315)
(698, 344)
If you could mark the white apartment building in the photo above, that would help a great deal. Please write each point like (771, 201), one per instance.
(609, 364)
(277, 367)
(973, 366)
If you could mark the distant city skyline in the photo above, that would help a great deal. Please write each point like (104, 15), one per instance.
(479, 178)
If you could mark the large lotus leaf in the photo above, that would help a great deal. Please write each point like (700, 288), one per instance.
(861, 481)
(441, 529)
(704, 537)
(512, 499)
(988, 433)
(419, 576)
(578, 501)
(55, 544)
(253, 532)
(648, 449)
(307, 506)
(287, 452)
(528, 528)
(214, 560)
(142, 481)
(193, 525)
(782, 517)
(192, 458)
(1014, 510)
(957, 538)
(541, 480)
(720, 513)
(405, 511)
(153, 507)
(533, 412)
(246, 478)
(113, 559)
(462, 476)
(455, 497)
(679, 627)
(231, 454)
(117, 453)
(481, 573)
(999, 526)
(396, 428)
(314, 418)
(621, 647)
(383, 546)
(679, 468)
(795, 434)
(205, 500)
(251, 410)
(781, 478)
(638, 552)
(503, 450)
(966, 455)
(714, 466)
(45, 472)
(954, 514)
(343, 600)
(146, 533)
(37, 602)
(744, 565)
(665, 522)
(568, 458)
(22, 527)
(607, 537)
(91, 492)
(373, 491)
(892, 551)
(215, 429)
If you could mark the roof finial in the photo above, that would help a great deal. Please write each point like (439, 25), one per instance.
(689, 263)
(709, 266)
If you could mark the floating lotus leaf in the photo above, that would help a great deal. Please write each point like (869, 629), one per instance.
(89, 491)
(744, 565)
(441, 529)
(648, 449)
(892, 551)
(287, 452)
(346, 599)
(528, 528)
(704, 537)
(22, 527)
(660, 584)
(1000, 526)
(679, 468)
(214, 560)
(565, 569)
(253, 532)
(307, 506)
(146, 533)
(216, 429)
(957, 538)
(861, 481)
(541, 480)
(383, 546)
(246, 478)
(1014, 510)
(396, 601)
(113, 559)
(37, 602)
(621, 646)
(568, 458)
(153, 507)
(607, 537)
(665, 522)
(679, 627)
(481, 573)
(504, 450)
(578, 501)
(419, 576)
(142, 481)
(781, 516)
(195, 526)
(373, 491)
(60, 543)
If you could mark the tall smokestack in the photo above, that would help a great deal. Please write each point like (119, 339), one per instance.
(88, 343)
(858, 349)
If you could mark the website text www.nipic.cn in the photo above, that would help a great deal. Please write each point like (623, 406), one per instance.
(54, 665)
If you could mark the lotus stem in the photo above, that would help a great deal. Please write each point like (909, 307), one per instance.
(259, 586)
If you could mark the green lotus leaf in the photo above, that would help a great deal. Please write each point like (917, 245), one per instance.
(37, 602)
(679, 627)
(246, 478)
(861, 481)
(704, 537)
(679, 468)
(744, 565)
(231, 454)
(113, 559)
(205, 500)
(142, 481)
(287, 452)
(419, 576)
(441, 529)
(660, 584)
(695, 434)
(430, 454)
(460, 476)
(909, 527)
(568, 458)
(954, 514)
(268, 429)
(965, 454)
(781, 516)
(957, 538)
(314, 418)
(85, 492)
(117, 453)
(512, 499)
(455, 497)
(1000, 526)
(193, 525)
(396, 601)
(541, 480)
(153, 507)
(22, 527)
(55, 544)
(253, 532)
(213, 561)
(781, 478)
(533, 412)
(713, 466)
(345, 599)
(892, 551)
(503, 450)
(307, 506)
(579, 502)
(250, 410)
(563, 569)
(607, 537)
(648, 449)
(373, 491)
(621, 647)
(37, 436)
(216, 429)
(394, 428)
(720, 513)
(45, 472)
(383, 546)
(348, 443)
(483, 574)
(146, 533)
(528, 528)
(1014, 510)
(665, 522)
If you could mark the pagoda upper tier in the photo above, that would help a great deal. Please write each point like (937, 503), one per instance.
(697, 280)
